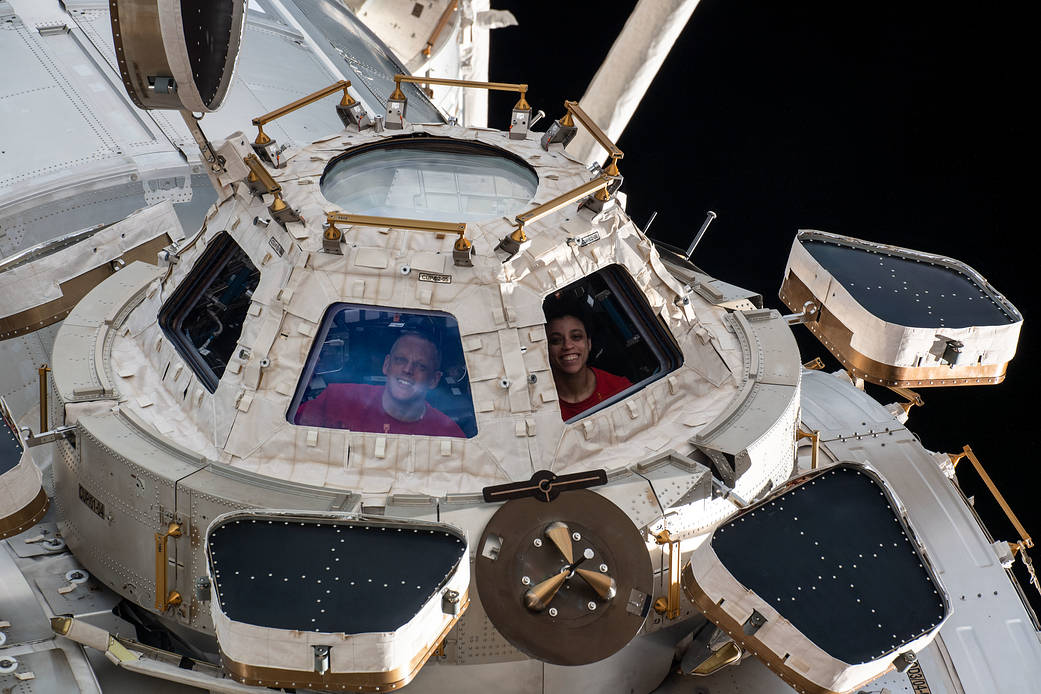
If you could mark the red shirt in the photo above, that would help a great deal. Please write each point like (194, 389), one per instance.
(359, 407)
(606, 386)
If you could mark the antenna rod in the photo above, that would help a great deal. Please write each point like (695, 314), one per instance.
(701, 232)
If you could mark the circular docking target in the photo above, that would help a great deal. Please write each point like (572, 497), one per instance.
(8, 664)
(585, 598)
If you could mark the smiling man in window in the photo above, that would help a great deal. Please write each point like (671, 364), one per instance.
(412, 368)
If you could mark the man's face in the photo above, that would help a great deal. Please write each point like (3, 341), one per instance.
(568, 345)
(411, 369)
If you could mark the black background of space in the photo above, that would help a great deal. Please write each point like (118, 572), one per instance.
(901, 123)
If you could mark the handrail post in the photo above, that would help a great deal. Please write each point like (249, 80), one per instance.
(43, 371)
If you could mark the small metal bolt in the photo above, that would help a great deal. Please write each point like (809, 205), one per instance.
(525, 580)
(591, 605)
(576, 536)
(603, 568)
(588, 553)
(552, 612)
(538, 542)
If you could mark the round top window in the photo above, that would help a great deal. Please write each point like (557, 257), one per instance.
(435, 179)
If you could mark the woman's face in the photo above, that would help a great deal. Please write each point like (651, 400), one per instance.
(569, 345)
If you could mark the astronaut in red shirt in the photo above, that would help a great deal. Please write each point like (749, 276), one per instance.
(412, 368)
(579, 386)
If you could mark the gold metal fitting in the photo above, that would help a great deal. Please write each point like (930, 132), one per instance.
(347, 101)
(397, 94)
(815, 440)
(43, 371)
(567, 121)
(518, 235)
(462, 244)
(164, 600)
(815, 364)
(968, 453)
(278, 204)
(61, 625)
(522, 104)
(262, 137)
(669, 606)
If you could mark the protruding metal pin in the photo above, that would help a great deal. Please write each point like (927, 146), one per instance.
(561, 537)
(701, 232)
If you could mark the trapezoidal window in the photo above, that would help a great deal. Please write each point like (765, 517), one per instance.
(204, 315)
(605, 342)
(387, 371)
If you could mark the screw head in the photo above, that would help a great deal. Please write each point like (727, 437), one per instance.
(525, 580)
(552, 612)
(591, 605)
(603, 568)
(537, 541)
(576, 536)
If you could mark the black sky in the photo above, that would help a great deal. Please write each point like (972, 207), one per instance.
(900, 123)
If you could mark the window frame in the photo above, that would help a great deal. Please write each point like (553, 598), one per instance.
(321, 336)
(651, 327)
(185, 297)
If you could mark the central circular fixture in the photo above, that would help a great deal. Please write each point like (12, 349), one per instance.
(430, 178)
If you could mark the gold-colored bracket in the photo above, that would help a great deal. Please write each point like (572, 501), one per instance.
(441, 24)
(43, 371)
(815, 448)
(967, 452)
(670, 606)
(260, 121)
(910, 397)
(815, 364)
(164, 600)
(398, 95)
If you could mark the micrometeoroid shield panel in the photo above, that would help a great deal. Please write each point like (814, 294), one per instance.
(834, 558)
(900, 317)
(329, 577)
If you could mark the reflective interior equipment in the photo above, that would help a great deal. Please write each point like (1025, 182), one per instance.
(628, 342)
(203, 318)
(383, 370)
(436, 179)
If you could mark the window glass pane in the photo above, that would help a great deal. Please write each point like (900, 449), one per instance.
(387, 371)
(432, 179)
(604, 342)
(203, 317)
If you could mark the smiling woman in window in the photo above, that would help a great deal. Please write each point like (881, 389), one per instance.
(579, 385)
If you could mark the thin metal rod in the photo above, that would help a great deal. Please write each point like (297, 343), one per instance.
(650, 221)
(446, 82)
(701, 232)
(546, 208)
(43, 397)
(967, 453)
(594, 130)
(440, 26)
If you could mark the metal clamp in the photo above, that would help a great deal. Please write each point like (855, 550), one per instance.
(164, 600)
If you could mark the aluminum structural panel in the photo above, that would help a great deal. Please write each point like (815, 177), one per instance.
(989, 635)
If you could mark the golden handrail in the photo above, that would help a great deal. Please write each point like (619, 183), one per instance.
(967, 452)
(398, 95)
(546, 208)
(440, 26)
(573, 109)
(669, 606)
(815, 441)
(163, 600)
(43, 370)
(461, 244)
(259, 121)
